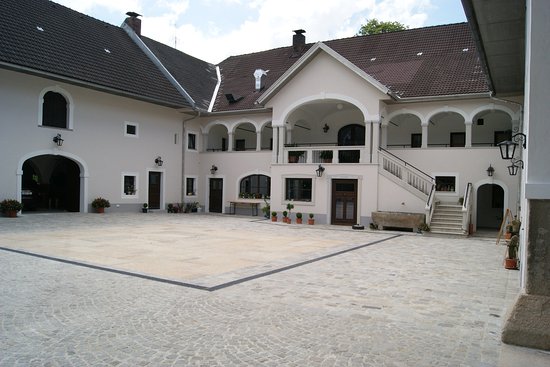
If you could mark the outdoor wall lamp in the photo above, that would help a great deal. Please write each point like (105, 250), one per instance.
(158, 161)
(490, 171)
(213, 169)
(326, 128)
(320, 171)
(513, 169)
(508, 147)
(57, 140)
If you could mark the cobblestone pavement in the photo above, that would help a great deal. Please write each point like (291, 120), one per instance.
(407, 301)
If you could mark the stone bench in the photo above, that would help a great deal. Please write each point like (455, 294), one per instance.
(398, 220)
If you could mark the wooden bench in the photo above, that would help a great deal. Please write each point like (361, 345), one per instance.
(253, 204)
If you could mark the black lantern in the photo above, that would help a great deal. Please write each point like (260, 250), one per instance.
(490, 171)
(57, 140)
(326, 128)
(513, 169)
(320, 171)
(158, 161)
(213, 169)
(508, 147)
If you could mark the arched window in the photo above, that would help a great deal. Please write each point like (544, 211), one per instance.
(256, 186)
(54, 110)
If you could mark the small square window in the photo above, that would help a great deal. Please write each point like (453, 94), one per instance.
(445, 183)
(191, 141)
(129, 185)
(190, 186)
(130, 129)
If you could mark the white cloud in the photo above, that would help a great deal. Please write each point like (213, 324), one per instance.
(119, 6)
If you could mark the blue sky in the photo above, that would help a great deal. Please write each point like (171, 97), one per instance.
(213, 30)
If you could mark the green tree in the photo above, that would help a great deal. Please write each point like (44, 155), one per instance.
(374, 26)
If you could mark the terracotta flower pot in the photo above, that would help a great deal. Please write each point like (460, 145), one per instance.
(298, 220)
(510, 263)
(507, 235)
(100, 210)
(274, 218)
(10, 214)
(311, 222)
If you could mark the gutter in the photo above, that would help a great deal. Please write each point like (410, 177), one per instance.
(81, 83)
(137, 40)
(443, 97)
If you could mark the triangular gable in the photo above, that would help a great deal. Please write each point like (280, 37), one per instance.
(306, 59)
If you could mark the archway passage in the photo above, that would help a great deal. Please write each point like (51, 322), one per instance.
(50, 183)
(490, 206)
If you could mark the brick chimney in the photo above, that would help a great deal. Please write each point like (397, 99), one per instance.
(298, 40)
(134, 22)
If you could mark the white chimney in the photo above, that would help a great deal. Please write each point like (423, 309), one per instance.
(258, 76)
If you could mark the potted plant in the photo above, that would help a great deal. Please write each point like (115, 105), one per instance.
(511, 261)
(285, 218)
(10, 207)
(326, 156)
(294, 156)
(311, 221)
(266, 209)
(99, 204)
(273, 216)
(424, 227)
(145, 206)
(508, 233)
(298, 218)
(516, 224)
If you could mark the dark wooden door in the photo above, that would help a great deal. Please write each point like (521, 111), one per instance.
(154, 190)
(216, 195)
(344, 202)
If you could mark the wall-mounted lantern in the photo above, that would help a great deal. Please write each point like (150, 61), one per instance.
(508, 147)
(490, 171)
(159, 161)
(326, 128)
(320, 171)
(516, 164)
(57, 140)
(213, 169)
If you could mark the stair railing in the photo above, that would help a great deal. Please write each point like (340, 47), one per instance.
(430, 205)
(467, 207)
(406, 172)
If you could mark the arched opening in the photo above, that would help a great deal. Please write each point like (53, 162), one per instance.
(446, 129)
(54, 110)
(491, 127)
(245, 137)
(404, 131)
(218, 139)
(50, 183)
(490, 206)
(267, 137)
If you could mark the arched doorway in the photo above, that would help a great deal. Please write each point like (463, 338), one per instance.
(490, 206)
(50, 183)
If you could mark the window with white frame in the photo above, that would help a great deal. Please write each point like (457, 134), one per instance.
(129, 184)
(190, 186)
(55, 108)
(192, 141)
(131, 129)
(298, 189)
(445, 183)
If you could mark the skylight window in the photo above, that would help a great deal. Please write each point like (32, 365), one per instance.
(374, 58)
(465, 49)
(106, 50)
(419, 54)
(40, 28)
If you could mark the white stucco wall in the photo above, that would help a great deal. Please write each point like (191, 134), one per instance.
(97, 139)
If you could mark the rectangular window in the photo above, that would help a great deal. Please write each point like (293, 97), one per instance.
(458, 139)
(298, 189)
(190, 186)
(445, 183)
(129, 184)
(130, 129)
(416, 140)
(191, 141)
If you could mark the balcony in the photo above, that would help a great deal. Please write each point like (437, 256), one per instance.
(324, 154)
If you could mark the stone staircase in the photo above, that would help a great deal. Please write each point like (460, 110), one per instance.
(447, 219)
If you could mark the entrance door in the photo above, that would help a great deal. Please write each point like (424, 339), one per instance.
(344, 202)
(154, 190)
(490, 206)
(216, 195)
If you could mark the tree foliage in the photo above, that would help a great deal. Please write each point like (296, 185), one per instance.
(374, 26)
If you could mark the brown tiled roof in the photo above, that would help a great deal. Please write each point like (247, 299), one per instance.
(423, 62)
(48, 38)
(197, 77)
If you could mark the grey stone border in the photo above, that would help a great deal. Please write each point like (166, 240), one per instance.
(191, 285)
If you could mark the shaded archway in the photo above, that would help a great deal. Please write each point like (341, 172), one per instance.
(490, 206)
(50, 183)
(351, 135)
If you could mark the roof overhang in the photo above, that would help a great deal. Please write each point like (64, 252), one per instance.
(304, 60)
(498, 27)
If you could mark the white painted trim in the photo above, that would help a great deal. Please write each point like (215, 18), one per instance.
(284, 201)
(128, 123)
(70, 106)
(246, 174)
(404, 111)
(196, 178)
(207, 194)
(489, 181)
(196, 133)
(448, 109)
(162, 186)
(136, 185)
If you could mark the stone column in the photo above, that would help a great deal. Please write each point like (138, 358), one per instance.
(275, 150)
(204, 142)
(230, 139)
(468, 143)
(375, 140)
(425, 134)
(258, 141)
(384, 136)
